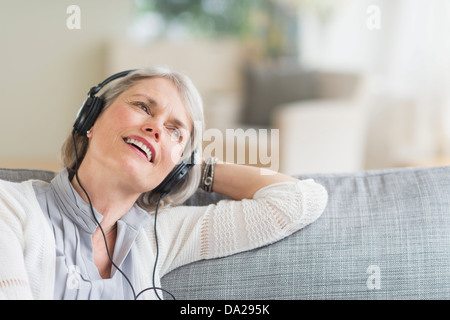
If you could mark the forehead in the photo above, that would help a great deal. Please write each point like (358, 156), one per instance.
(159, 88)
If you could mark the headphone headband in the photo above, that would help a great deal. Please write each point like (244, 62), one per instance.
(97, 88)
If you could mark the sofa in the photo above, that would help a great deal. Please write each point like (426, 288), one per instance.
(385, 234)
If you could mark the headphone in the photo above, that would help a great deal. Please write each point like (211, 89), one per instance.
(88, 114)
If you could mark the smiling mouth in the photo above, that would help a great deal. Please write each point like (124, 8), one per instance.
(141, 147)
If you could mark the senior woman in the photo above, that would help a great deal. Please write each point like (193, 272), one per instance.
(92, 232)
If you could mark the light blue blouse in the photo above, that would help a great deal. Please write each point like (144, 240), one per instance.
(71, 220)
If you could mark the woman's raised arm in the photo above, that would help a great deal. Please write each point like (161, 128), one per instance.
(241, 182)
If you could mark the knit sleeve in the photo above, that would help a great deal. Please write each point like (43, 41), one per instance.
(26, 245)
(227, 227)
(13, 276)
(274, 212)
(14, 282)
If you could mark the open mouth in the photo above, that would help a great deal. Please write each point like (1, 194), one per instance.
(141, 147)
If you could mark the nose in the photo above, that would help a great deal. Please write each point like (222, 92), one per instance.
(154, 129)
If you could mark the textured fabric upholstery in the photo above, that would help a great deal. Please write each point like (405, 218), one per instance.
(385, 234)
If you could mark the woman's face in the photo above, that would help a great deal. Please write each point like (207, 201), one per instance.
(140, 137)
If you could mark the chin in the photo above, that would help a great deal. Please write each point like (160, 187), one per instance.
(137, 174)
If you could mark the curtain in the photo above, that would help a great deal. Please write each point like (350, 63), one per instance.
(416, 73)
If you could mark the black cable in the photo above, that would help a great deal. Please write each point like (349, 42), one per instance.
(157, 251)
(104, 236)
(156, 258)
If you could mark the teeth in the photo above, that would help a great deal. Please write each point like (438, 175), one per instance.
(141, 146)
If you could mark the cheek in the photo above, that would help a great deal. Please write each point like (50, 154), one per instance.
(112, 115)
(123, 117)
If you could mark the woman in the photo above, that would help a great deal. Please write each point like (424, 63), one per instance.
(152, 119)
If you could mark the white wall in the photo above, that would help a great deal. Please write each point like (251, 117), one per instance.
(47, 70)
(215, 67)
(407, 63)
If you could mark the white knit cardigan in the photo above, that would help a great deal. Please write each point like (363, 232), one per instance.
(186, 234)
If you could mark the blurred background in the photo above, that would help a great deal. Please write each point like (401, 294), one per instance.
(342, 85)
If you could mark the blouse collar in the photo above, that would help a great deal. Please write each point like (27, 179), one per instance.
(79, 211)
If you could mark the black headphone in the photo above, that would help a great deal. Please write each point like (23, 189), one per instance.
(88, 114)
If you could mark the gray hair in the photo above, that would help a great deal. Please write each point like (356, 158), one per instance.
(194, 104)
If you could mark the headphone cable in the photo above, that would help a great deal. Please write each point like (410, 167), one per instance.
(106, 243)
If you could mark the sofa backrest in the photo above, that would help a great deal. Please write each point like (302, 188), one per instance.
(18, 175)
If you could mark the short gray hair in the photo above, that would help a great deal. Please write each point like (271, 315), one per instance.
(194, 104)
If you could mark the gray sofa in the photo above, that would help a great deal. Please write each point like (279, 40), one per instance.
(385, 234)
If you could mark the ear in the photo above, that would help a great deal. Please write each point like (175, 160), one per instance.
(89, 132)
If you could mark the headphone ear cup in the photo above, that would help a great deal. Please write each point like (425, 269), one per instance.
(93, 106)
(88, 114)
(175, 176)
